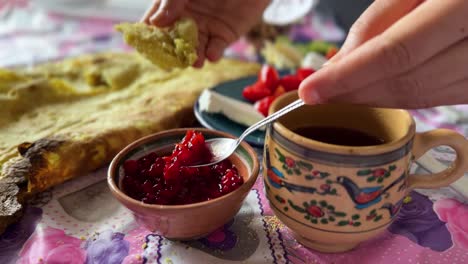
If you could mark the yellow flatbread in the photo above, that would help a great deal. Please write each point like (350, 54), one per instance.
(168, 48)
(63, 120)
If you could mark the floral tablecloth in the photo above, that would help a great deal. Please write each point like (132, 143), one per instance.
(80, 222)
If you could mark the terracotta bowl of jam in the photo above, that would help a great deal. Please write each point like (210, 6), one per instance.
(152, 178)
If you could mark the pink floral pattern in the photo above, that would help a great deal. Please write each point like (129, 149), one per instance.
(52, 246)
(136, 239)
(455, 214)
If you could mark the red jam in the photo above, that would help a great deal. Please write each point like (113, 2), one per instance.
(167, 180)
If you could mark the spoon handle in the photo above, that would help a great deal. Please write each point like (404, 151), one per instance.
(292, 106)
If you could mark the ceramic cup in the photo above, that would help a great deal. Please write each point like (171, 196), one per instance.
(334, 197)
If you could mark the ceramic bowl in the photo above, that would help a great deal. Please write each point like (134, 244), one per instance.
(183, 222)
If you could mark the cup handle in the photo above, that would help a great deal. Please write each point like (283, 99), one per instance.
(438, 137)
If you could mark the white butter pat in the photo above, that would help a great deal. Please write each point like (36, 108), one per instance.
(313, 60)
(237, 111)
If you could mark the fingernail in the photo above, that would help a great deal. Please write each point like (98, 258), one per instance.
(312, 97)
(153, 18)
(161, 15)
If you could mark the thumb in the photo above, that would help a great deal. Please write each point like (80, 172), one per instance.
(168, 12)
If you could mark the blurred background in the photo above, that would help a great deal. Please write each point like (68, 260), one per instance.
(345, 12)
(41, 30)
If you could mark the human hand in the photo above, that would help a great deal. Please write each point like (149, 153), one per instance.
(219, 22)
(399, 54)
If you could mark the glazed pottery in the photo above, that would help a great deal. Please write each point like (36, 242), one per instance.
(334, 197)
(183, 222)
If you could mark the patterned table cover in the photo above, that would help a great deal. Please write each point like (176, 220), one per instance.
(80, 222)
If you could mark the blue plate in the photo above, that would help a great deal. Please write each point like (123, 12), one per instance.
(220, 122)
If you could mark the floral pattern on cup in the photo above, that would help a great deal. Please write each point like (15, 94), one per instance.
(373, 216)
(377, 174)
(324, 183)
(455, 214)
(277, 179)
(372, 200)
(363, 197)
(320, 212)
(292, 166)
(106, 247)
(51, 245)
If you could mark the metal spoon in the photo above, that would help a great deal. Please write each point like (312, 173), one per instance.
(222, 148)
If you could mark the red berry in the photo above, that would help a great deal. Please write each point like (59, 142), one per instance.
(303, 73)
(204, 172)
(188, 136)
(264, 105)
(168, 192)
(290, 82)
(230, 181)
(146, 161)
(149, 198)
(157, 168)
(214, 194)
(189, 172)
(147, 187)
(221, 167)
(161, 200)
(130, 167)
(269, 76)
(131, 187)
(172, 171)
(256, 92)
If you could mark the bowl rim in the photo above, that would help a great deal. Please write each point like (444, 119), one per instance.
(112, 170)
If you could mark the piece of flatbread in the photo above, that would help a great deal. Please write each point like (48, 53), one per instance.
(62, 120)
(168, 48)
